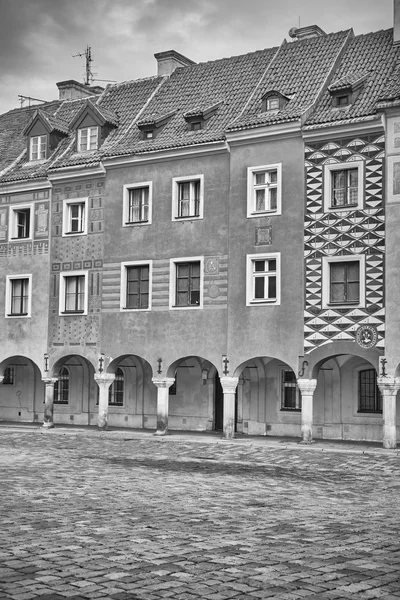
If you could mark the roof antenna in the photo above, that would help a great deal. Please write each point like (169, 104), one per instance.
(88, 57)
(299, 21)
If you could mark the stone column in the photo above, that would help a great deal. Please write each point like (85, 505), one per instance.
(49, 382)
(306, 387)
(229, 385)
(389, 388)
(103, 381)
(163, 384)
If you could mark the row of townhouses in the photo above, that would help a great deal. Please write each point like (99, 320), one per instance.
(212, 248)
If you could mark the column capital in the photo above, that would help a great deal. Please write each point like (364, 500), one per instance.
(163, 382)
(104, 378)
(307, 386)
(229, 384)
(49, 380)
(388, 386)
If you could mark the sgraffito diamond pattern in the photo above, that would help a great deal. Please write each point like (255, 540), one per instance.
(342, 233)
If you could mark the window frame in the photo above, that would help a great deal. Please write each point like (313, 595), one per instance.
(176, 182)
(283, 408)
(40, 139)
(67, 219)
(113, 392)
(126, 196)
(79, 140)
(377, 396)
(326, 281)
(172, 287)
(9, 290)
(58, 389)
(344, 166)
(14, 210)
(124, 280)
(251, 189)
(250, 279)
(10, 380)
(64, 275)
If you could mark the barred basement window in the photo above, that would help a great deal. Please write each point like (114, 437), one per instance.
(116, 390)
(369, 395)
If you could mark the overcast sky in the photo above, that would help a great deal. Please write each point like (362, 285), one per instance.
(39, 37)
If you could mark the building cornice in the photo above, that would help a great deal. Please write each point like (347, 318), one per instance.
(334, 130)
(76, 173)
(24, 186)
(264, 133)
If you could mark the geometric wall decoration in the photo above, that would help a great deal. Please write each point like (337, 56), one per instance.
(344, 233)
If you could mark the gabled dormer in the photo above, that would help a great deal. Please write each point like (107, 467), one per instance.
(92, 125)
(197, 117)
(345, 90)
(44, 132)
(273, 101)
(151, 126)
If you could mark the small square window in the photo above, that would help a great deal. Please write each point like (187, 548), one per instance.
(344, 186)
(18, 296)
(290, 395)
(343, 281)
(264, 190)
(136, 280)
(20, 222)
(263, 279)
(38, 147)
(187, 197)
(273, 103)
(186, 289)
(88, 139)
(73, 293)
(196, 125)
(342, 100)
(75, 216)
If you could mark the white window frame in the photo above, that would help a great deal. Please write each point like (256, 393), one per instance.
(251, 189)
(326, 262)
(14, 209)
(250, 300)
(125, 210)
(124, 267)
(175, 197)
(67, 219)
(63, 277)
(41, 147)
(9, 280)
(297, 409)
(87, 147)
(172, 282)
(341, 166)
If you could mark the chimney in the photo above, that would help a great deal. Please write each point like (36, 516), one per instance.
(303, 33)
(169, 60)
(71, 90)
(396, 23)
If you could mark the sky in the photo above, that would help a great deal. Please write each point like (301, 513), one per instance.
(38, 38)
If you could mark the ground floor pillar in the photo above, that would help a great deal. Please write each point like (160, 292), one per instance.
(103, 381)
(229, 385)
(48, 421)
(307, 387)
(389, 387)
(163, 384)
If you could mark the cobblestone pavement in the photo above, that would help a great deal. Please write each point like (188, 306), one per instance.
(123, 516)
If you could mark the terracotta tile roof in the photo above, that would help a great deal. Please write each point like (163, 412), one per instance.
(298, 72)
(348, 80)
(372, 53)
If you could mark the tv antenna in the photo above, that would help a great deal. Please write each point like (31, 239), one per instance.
(88, 59)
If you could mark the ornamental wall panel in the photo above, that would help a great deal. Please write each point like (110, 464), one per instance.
(344, 233)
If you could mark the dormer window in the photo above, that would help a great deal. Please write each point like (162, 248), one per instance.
(151, 126)
(148, 135)
(196, 125)
(88, 139)
(38, 146)
(342, 100)
(273, 101)
(344, 91)
(197, 118)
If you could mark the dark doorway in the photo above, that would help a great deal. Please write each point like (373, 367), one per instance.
(218, 405)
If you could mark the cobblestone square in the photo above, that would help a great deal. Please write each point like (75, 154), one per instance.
(125, 515)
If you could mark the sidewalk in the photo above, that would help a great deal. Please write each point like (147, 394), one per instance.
(208, 437)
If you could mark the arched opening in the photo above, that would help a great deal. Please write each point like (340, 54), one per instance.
(22, 390)
(75, 391)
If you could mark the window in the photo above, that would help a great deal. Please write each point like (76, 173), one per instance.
(75, 217)
(263, 279)
(18, 296)
(37, 147)
(186, 289)
(61, 387)
(148, 135)
(187, 197)
(264, 190)
(88, 139)
(116, 390)
(136, 285)
(273, 103)
(290, 395)
(8, 378)
(343, 281)
(343, 186)
(137, 203)
(20, 222)
(342, 100)
(369, 395)
(73, 293)
(196, 125)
